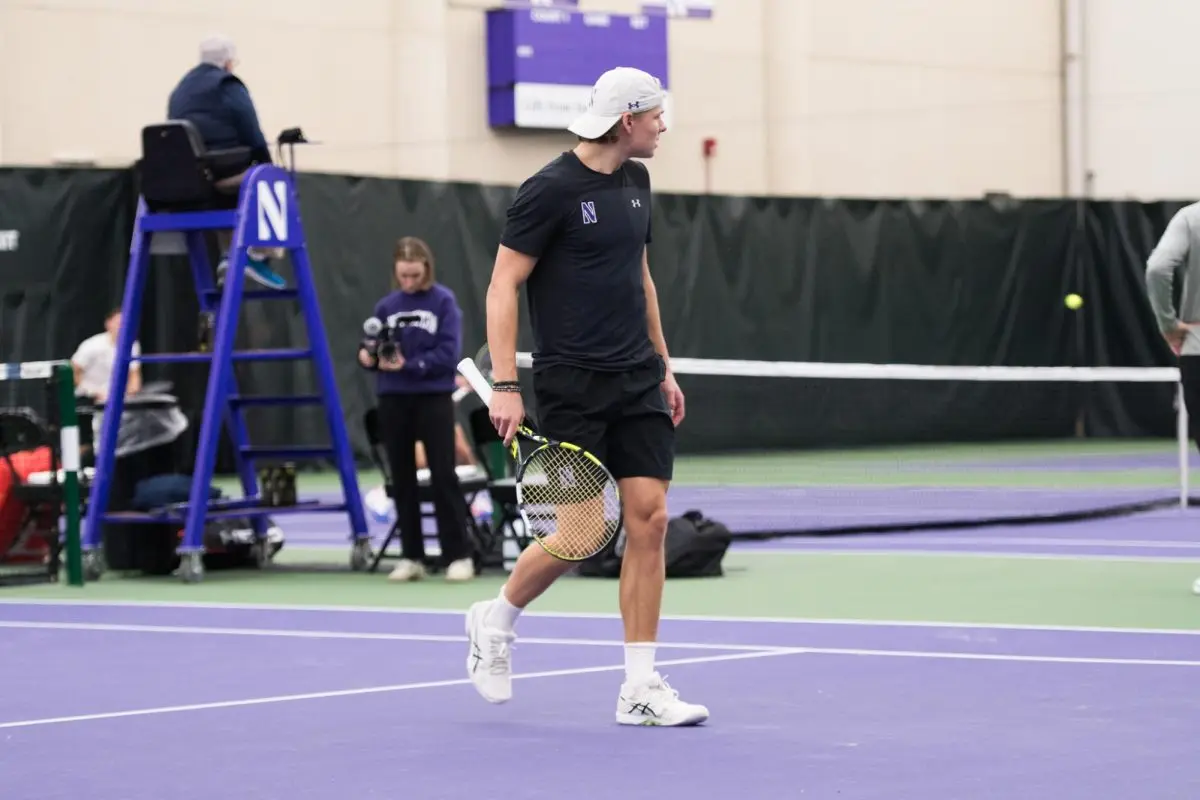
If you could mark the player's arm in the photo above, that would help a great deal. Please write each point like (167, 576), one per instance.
(533, 220)
(510, 271)
(670, 386)
(133, 384)
(653, 318)
(1168, 254)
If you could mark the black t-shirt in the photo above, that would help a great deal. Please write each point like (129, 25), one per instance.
(588, 232)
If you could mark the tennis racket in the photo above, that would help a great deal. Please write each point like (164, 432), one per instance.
(567, 498)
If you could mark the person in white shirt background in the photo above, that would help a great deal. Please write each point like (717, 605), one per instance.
(93, 362)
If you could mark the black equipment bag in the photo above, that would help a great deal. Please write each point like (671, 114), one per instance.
(695, 547)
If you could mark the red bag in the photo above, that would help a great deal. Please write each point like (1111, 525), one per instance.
(33, 549)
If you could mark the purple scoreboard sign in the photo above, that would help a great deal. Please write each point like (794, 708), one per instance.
(542, 61)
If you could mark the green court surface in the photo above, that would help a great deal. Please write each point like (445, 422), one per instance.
(908, 587)
(1060, 590)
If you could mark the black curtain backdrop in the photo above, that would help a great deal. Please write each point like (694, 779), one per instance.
(938, 282)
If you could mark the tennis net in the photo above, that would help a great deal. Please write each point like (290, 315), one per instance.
(792, 448)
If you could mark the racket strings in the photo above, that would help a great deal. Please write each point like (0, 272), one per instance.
(571, 504)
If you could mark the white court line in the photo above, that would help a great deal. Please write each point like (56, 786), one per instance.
(401, 687)
(597, 615)
(959, 656)
(766, 649)
(299, 633)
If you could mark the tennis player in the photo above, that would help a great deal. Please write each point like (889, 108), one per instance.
(1179, 250)
(576, 237)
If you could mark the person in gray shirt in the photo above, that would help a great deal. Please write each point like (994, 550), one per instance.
(1178, 251)
(1178, 247)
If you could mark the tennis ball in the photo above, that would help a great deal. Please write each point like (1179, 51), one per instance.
(1073, 301)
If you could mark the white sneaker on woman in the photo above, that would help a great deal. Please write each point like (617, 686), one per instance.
(407, 570)
(461, 570)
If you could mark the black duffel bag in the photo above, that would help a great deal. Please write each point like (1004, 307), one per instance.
(695, 548)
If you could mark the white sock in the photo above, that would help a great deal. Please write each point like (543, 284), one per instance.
(639, 662)
(503, 614)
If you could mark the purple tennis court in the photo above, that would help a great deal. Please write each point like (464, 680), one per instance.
(143, 701)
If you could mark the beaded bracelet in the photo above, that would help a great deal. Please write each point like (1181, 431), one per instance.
(506, 386)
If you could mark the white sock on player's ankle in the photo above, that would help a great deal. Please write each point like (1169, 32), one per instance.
(639, 662)
(502, 614)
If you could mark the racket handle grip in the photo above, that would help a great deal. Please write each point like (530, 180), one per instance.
(480, 384)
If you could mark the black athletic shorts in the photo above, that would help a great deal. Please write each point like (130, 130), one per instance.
(622, 418)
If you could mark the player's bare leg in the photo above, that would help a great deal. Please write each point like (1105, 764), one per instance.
(532, 575)
(491, 623)
(643, 565)
(645, 697)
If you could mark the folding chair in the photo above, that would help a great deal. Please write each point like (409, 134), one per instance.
(471, 480)
(501, 486)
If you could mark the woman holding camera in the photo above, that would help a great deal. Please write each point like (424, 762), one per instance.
(417, 361)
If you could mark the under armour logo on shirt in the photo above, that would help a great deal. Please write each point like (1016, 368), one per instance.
(636, 203)
(588, 208)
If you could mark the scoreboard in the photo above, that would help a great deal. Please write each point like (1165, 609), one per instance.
(542, 60)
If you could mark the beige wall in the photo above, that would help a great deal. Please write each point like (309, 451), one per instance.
(1136, 99)
(833, 97)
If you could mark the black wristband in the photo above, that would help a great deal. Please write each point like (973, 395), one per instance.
(506, 386)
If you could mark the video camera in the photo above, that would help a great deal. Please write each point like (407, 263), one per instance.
(373, 334)
(383, 342)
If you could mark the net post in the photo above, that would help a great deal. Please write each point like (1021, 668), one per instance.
(69, 440)
(1181, 433)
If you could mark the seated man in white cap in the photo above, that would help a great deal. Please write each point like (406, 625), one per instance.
(218, 104)
(576, 237)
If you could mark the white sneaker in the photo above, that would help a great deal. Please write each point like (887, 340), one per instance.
(489, 657)
(656, 703)
(407, 571)
(461, 570)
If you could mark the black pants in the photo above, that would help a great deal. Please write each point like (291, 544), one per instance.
(403, 420)
(1189, 375)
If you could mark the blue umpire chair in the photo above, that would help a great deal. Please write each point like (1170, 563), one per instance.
(180, 197)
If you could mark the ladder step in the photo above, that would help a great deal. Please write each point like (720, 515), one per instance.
(259, 294)
(286, 451)
(237, 355)
(244, 401)
(278, 511)
(142, 517)
(178, 514)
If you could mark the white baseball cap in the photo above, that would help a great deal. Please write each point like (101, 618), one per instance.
(618, 91)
